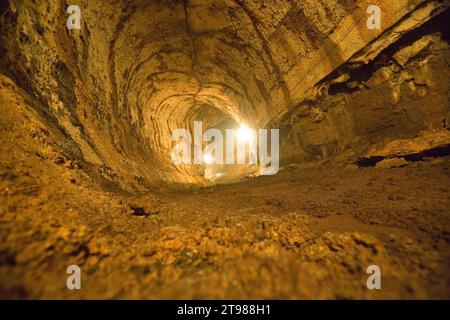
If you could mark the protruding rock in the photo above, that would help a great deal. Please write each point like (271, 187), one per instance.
(392, 163)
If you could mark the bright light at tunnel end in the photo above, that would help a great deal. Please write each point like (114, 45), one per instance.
(208, 159)
(244, 146)
(245, 134)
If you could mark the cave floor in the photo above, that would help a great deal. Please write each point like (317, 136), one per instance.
(304, 233)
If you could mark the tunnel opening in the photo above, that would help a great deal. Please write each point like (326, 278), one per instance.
(210, 138)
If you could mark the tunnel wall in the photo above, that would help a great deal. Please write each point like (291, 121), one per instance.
(137, 70)
(400, 94)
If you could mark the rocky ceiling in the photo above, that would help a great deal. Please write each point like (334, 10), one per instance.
(137, 70)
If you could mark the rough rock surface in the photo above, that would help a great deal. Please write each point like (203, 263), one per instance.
(424, 142)
(137, 70)
(85, 149)
(392, 163)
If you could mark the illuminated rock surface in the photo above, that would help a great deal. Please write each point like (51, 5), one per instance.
(87, 178)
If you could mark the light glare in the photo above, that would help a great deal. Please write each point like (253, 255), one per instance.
(207, 158)
(244, 134)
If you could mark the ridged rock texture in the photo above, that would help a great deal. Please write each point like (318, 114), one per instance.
(87, 178)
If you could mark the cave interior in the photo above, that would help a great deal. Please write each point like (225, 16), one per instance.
(87, 121)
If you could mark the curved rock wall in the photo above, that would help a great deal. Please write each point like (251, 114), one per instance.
(139, 69)
(401, 93)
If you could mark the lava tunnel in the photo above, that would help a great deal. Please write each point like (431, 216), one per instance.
(224, 149)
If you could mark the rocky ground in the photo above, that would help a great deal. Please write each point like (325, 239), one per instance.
(304, 233)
